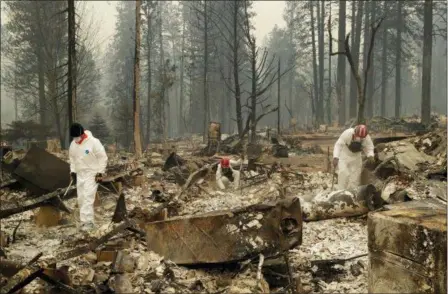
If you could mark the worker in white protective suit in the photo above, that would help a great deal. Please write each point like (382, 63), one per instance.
(225, 175)
(88, 161)
(347, 159)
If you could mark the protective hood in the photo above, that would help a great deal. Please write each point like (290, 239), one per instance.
(88, 156)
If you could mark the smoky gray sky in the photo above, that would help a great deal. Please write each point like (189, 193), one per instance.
(269, 14)
(103, 13)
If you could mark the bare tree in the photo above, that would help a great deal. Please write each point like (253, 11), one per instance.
(354, 68)
(315, 75)
(427, 56)
(320, 26)
(149, 39)
(182, 86)
(330, 87)
(341, 64)
(262, 78)
(384, 75)
(71, 62)
(356, 29)
(136, 100)
(398, 50)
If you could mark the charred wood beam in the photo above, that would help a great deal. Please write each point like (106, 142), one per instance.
(23, 277)
(65, 288)
(194, 177)
(92, 245)
(54, 197)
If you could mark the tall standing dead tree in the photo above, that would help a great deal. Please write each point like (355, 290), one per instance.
(262, 78)
(427, 56)
(356, 41)
(341, 65)
(315, 75)
(354, 68)
(149, 39)
(71, 62)
(229, 26)
(136, 100)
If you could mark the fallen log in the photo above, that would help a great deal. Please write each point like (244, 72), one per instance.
(92, 245)
(9, 183)
(341, 203)
(194, 177)
(52, 198)
(61, 286)
(228, 235)
(23, 277)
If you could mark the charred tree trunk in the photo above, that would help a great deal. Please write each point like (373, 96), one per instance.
(163, 76)
(355, 53)
(149, 82)
(384, 74)
(278, 98)
(352, 82)
(54, 103)
(254, 81)
(205, 84)
(236, 43)
(426, 67)
(321, 21)
(367, 21)
(71, 63)
(16, 98)
(398, 59)
(41, 77)
(291, 76)
(136, 100)
(371, 75)
(329, 119)
(181, 95)
(315, 77)
(341, 63)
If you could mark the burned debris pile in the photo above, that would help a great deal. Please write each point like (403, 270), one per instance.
(164, 226)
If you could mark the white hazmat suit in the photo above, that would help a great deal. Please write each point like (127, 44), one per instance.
(350, 163)
(223, 181)
(86, 160)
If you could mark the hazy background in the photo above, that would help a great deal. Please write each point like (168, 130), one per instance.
(269, 14)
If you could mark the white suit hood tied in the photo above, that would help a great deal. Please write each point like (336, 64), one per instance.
(350, 163)
(87, 158)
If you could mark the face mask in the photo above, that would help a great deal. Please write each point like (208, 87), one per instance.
(77, 139)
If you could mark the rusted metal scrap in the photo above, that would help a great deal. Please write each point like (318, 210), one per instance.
(342, 203)
(228, 236)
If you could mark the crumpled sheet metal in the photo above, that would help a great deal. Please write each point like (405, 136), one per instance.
(228, 236)
(342, 203)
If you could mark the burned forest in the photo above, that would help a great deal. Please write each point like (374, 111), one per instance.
(223, 147)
